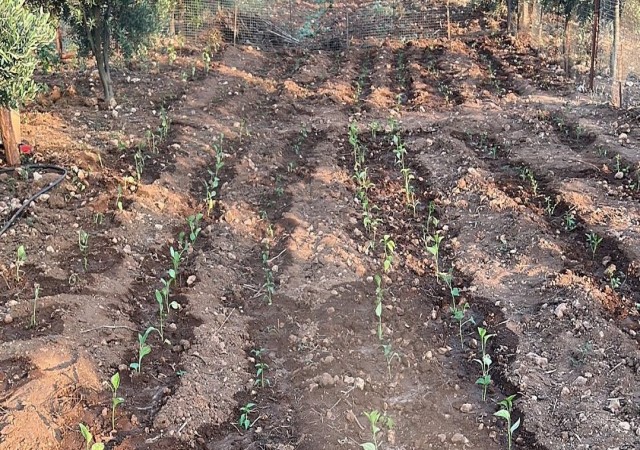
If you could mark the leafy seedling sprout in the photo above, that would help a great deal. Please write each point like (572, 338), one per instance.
(389, 249)
(83, 245)
(114, 385)
(593, 240)
(376, 420)
(459, 314)
(143, 349)
(432, 245)
(88, 438)
(245, 421)
(21, 259)
(36, 294)
(389, 355)
(379, 299)
(506, 407)
(569, 219)
(261, 380)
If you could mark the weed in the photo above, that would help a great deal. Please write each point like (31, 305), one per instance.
(83, 245)
(569, 219)
(206, 61)
(244, 421)
(36, 294)
(114, 385)
(376, 419)
(506, 407)
(459, 314)
(379, 298)
(88, 438)
(593, 240)
(389, 355)
(527, 174)
(389, 249)
(21, 259)
(143, 349)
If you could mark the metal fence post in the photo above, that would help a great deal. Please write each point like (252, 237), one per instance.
(235, 22)
(594, 42)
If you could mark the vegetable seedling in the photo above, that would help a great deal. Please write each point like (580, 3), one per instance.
(261, 380)
(245, 421)
(21, 259)
(593, 240)
(88, 438)
(569, 219)
(379, 298)
(376, 420)
(459, 314)
(114, 385)
(389, 355)
(143, 349)
(389, 249)
(432, 245)
(83, 245)
(506, 407)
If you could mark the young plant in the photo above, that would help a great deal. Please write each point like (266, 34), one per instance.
(245, 421)
(269, 285)
(447, 277)
(261, 380)
(432, 245)
(484, 361)
(83, 245)
(431, 219)
(376, 420)
(550, 206)
(176, 259)
(143, 349)
(194, 227)
(460, 314)
(506, 407)
(114, 385)
(379, 298)
(569, 219)
(138, 159)
(36, 294)
(389, 355)
(21, 259)
(593, 240)
(389, 249)
(119, 199)
(88, 438)
(161, 311)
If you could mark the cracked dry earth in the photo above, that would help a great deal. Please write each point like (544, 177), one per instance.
(504, 157)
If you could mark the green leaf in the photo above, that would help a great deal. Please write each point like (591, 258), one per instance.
(379, 310)
(515, 426)
(144, 350)
(22, 254)
(134, 366)
(503, 413)
(86, 434)
(158, 296)
(117, 401)
(368, 446)
(115, 380)
(97, 446)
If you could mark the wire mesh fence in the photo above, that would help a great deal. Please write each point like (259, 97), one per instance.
(317, 23)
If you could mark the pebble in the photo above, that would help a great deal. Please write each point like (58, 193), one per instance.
(359, 383)
(560, 310)
(191, 280)
(12, 303)
(580, 381)
(619, 175)
(540, 361)
(459, 438)
(466, 408)
(626, 426)
(442, 437)
(8, 319)
(50, 249)
(326, 380)
(127, 249)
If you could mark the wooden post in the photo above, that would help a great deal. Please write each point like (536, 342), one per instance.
(448, 21)
(235, 24)
(10, 133)
(594, 42)
(616, 94)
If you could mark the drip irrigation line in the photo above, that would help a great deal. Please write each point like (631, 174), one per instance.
(46, 167)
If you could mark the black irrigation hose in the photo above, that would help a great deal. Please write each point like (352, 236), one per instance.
(55, 169)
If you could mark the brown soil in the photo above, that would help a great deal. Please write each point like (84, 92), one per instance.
(516, 169)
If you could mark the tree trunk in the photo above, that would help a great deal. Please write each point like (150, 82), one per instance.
(59, 46)
(509, 15)
(566, 45)
(10, 133)
(100, 41)
(615, 46)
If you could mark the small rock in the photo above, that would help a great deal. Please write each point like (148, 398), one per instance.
(8, 319)
(50, 249)
(580, 381)
(466, 408)
(442, 437)
(191, 280)
(12, 303)
(623, 136)
(391, 437)
(185, 344)
(459, 438)
(540, 361)
(626, 426)
(560, 310)
(565, 392)
(462, 184)
(326, 380)
(614, 405)
(37, 176)
(127, 249)
(619, 175)
(349, 380)
(359, 383)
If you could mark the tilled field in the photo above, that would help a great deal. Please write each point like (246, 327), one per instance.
(363, 199)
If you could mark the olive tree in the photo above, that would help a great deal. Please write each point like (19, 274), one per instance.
(22, 32)
(99, 24)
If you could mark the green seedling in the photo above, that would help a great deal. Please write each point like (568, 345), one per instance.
(161, 311)
(88, 438)
(459, 314)
(431, 219)
(400, 151)
(389, 355)
(432, 245)
(484, 361)
(143, 349)
(138, 159)
(506, 407)
(176, 259)
(245, 421)
(211, 187)
(379, 298)
(98, 219)
(593, 240)
(165, 124)
(21, 259)
(358, 152)
(36, 294)
(376, 420)
(269, 285)
(114, 385)
(261, 380)
(569, 219)
(550, 205)
(447, 277)
(527, 174)
(83, 245)
(374, 127)
(194, 226)
(389, 249)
